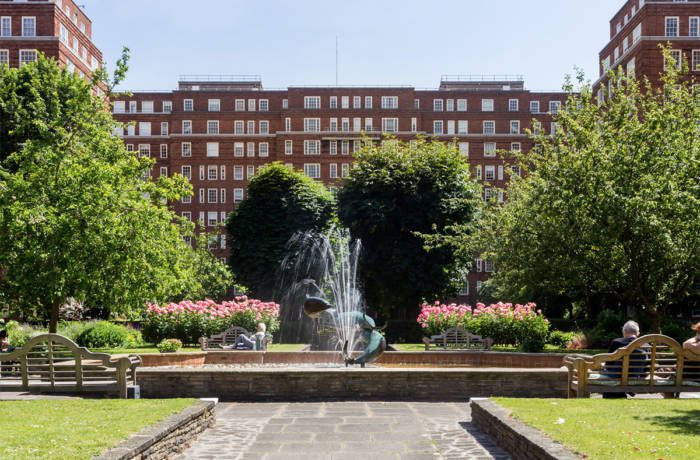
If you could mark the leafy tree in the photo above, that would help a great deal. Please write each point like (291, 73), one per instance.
(610, 204)
(280, 203)
(214, 277)
(396, 194)
(77, 218)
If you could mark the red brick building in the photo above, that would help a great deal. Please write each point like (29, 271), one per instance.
(637, 30)
(57, 28)
(218, 131)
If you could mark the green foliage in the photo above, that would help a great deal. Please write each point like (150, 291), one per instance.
(280, 203)
(72, 329)
(19, 334)
(104, 334)
(397, 197)
(169, 345)
(561, 339)
(76, 216)
(610, 204)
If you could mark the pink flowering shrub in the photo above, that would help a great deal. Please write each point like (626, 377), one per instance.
(505, 323)
(188, 320)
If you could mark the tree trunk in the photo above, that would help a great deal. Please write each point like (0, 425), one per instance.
(53, 323)
(655, 317)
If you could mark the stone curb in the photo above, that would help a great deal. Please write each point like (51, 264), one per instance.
(164, 438)
(518, 439)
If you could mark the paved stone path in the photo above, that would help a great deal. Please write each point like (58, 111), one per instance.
(343, 430)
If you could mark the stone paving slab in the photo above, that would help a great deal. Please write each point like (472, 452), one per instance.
(343, 430)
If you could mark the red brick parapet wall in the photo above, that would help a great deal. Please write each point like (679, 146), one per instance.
(475, 359)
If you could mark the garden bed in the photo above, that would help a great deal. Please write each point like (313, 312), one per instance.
(613, 429)
(77, 429)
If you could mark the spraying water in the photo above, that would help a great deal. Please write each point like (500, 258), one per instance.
(324, 266)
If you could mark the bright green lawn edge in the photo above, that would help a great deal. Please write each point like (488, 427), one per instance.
(76, 428)
(616, 428)
(148, 349)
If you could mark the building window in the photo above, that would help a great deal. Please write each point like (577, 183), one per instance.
(167, 106)
(132, 107)
(144, 150)
(438, 105)
(333, 102)
(240, 105)
(450, 105)
(202, 173)
(186, 171)
(672, 26)
(312, 147)
(164, 150)
(188, 105)
(463, 127)
(164, 128)
(28, 26)
(186, 127)
(264, 127)
(250, 149)
(489, 127)
(212, 172)
(488, 266)
(26, 56)
(263, 149)
(414, 124)
(312, 125)
(119, 106)
(696, 61)
(390, 125)
(344, 102)
(694, 27)
(489, 172)
(251, 126)
(515, 127)
(356, 102)
(437, 127)
(461, 105)
(333, 147)
(213, 127)
(250, 172)
(6, 26)
(554, 107)
(534, 106)
(238, 173)
(144, 128)
(515, 147)
(147, 107)
(390, 102)
(478, 172)
(333, 170)
(238, 127)
(312, 170)
(344, 170)
(263, 105)
(288, 147)
(345, 124)
(214, 105)
(238, 148)
(487, 105)
(515, 171)
(489, 149)
(212, 218)
(237, 195)
(345, 147)
(675, 59)
(368, 102)
(513, 105)
(416, 104)
(312, 102)
(212, 149)
(251, 105)
(369, 125)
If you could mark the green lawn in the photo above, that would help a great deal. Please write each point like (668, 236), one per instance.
(151, 349)
(547, 349)
(616, 429)
(76, 429)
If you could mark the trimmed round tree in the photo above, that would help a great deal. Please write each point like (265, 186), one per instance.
(396, 195)
(280, 203)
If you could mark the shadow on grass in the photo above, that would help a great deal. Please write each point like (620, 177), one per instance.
(678, 422)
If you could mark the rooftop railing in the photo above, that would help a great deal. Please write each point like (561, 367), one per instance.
(220, 78)
(474, 78)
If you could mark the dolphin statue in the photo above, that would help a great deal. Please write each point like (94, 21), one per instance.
(316, 307)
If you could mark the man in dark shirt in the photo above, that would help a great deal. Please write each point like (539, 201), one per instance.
(638, 359)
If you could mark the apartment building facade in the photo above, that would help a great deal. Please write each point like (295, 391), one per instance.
(639, 28)
(57, 28)
(219, 131)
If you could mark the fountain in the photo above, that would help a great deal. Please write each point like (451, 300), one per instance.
(320, 271)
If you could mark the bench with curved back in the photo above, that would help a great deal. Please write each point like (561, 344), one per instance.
(457, 338)
(649, 364)
(227, 339)
(53, 363)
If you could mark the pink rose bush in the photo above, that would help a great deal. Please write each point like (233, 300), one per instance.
(505, 323)
(188, 320)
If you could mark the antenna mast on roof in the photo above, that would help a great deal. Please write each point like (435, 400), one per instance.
(336, 60)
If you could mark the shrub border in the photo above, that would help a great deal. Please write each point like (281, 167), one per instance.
(165, 438)
(518, 439)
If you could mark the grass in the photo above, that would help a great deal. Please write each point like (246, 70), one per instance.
(547, 349)
(76, 429)
(147, 349)
(615, 429)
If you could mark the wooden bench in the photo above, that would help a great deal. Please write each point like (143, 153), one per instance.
(53, 363)
(457, 338)
(650, 364)
(227, 339)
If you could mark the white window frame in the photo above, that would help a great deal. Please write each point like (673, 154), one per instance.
(188, 105)
(288, 147)
(238, 172)
(25, 29)
(390, 102)
(212, 149)
(490, 149)
(212, 127)
(312, 125)
(513, 105)
(487, 105)
(312, 147)
(186, 126)
(5, 26)
(462, 105)
(669, 28)
(489, 127)
(27, 56)
(312, 102)
(214, 105)
(312, 170)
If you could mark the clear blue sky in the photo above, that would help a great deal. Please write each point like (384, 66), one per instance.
(381, 41)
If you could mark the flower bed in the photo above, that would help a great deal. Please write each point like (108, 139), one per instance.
(505, 323)
(188, 321)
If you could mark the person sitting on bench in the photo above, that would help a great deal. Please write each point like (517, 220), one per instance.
(638, 367)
